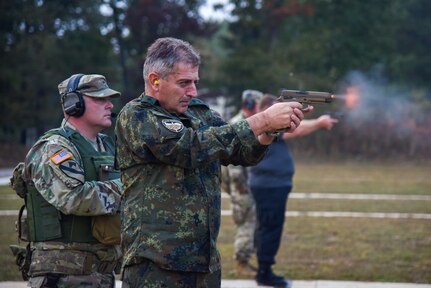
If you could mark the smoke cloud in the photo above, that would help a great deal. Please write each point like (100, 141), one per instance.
(380, 119)
(371, 101)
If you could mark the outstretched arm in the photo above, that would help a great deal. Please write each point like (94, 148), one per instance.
(309, 126)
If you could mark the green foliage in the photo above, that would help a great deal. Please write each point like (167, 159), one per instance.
(319, 41)
(44, 43)
(323, 45)
(294, 44)
(412, 61)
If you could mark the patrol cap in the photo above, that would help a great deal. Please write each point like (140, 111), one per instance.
(93, 85)
(250, 98)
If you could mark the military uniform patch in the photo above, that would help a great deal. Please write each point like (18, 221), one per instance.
(173, 125)
(72, 170)
(60, 156)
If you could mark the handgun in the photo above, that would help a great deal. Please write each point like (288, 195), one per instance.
(305, 97)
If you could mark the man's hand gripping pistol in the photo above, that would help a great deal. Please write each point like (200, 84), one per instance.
(306, 98)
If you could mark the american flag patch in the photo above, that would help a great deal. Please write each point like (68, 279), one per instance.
(60, 156)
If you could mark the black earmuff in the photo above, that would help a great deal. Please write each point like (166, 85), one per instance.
(249, 102)
(73, 102)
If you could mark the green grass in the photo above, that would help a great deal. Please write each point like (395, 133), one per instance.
(8, 269)
(386, 206)
(346, 205)
(387, 250)
(9, 200)
(383, 250)
(364, 178)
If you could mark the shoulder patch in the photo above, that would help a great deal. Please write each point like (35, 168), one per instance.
(60, 156)
(72, 170)
(173, 125)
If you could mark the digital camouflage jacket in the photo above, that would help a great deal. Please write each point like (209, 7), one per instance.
(55, 167)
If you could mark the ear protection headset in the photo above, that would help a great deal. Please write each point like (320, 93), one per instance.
(249, 102)
(73, 102)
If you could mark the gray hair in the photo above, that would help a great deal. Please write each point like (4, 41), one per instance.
(165, 53)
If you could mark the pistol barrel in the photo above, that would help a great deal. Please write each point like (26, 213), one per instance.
(307, 96)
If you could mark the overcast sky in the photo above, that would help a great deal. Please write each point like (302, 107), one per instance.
(208, 13)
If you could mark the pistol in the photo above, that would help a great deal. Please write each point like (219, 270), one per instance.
(305, 97)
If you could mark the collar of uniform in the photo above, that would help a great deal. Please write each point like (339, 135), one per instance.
(149, 100)
(197, 102)
(153, 101)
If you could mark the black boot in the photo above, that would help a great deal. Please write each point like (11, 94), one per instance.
(266, 277)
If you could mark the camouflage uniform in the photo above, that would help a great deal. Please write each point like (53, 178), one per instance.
(148, 274)
(55, 168)
(243, 208)
(170, 169)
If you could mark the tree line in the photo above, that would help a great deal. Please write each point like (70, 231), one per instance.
(379, 46)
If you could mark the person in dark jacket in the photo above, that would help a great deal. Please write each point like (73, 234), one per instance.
(270, 182)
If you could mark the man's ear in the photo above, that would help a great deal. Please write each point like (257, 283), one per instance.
(153, 79)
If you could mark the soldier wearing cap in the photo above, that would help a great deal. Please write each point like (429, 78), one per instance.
(234, 181)
(73, 192)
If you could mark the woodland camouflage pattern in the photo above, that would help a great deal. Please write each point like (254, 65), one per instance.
(149, 275)
(171, 177)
